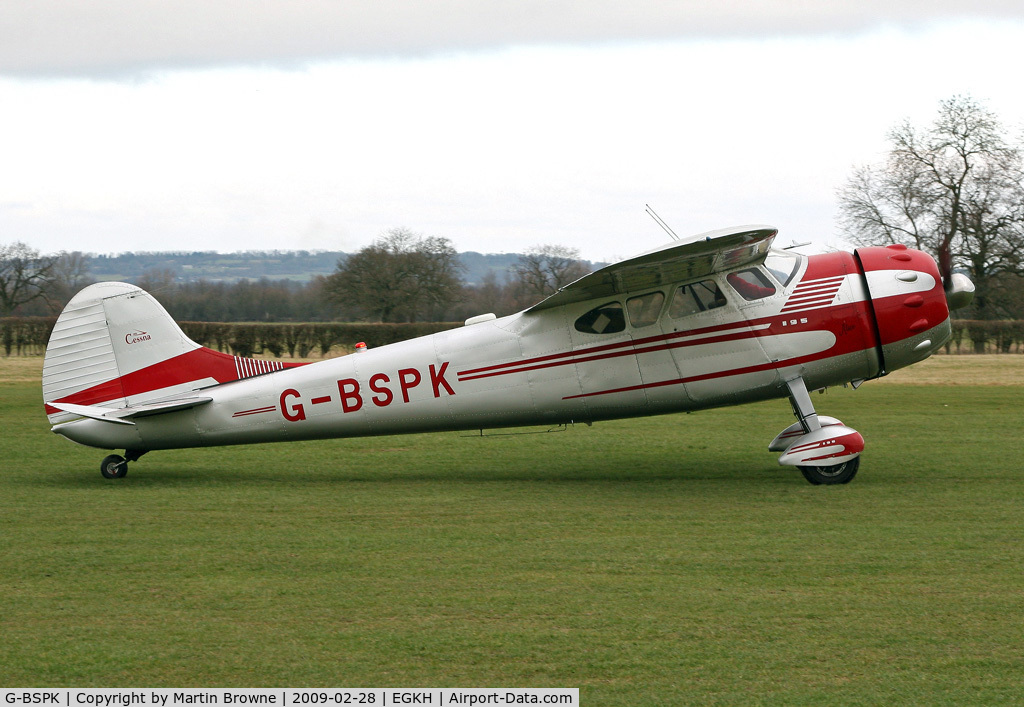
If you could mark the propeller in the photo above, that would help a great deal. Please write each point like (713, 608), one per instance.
(959, 288)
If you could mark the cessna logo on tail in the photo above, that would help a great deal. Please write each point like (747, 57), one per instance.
(136, 336)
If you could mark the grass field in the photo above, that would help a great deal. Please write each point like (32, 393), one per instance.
(660, 561)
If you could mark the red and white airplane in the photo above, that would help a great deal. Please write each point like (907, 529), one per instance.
(717, 319)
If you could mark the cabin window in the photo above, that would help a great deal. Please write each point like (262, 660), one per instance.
(644, 310)
(751, 284)
(782, 266)
(607, 319)
(698, 297)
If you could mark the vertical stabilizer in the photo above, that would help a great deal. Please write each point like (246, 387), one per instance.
(115, 345)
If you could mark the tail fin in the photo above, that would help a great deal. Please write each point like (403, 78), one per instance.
(114, 345)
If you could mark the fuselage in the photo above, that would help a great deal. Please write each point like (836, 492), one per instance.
(729, 338)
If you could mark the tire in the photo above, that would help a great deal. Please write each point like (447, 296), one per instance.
(114, 467)
(828, 475)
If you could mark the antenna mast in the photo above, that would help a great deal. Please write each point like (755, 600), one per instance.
(658, 220)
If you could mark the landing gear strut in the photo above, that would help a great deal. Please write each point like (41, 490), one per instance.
(116, 467)
(824, 449)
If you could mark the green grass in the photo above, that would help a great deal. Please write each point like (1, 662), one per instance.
(658, 561)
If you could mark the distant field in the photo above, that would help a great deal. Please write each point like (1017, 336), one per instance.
(968, 369)
(660, 561)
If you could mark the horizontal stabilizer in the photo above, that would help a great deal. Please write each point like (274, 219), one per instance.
(122, 416)
(157, 408)
(93, 411)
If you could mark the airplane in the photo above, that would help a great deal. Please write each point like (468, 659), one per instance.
(712, 320)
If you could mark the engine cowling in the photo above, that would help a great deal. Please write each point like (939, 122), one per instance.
(909, 303)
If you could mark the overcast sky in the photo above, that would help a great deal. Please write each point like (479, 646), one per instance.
(229, 125)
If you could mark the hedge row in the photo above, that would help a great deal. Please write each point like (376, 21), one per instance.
(27, 336)
(990, 336)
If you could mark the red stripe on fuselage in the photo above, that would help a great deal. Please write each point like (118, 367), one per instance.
(633, 350)
(708, 376)
(185, 368)
(739, 329)
(822, 319)
(820, 268)
(255, 411)
(630, 345)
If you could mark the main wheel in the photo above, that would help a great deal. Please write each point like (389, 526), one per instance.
(114, 467)
(837, 474)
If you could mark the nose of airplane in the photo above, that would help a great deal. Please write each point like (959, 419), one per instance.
(909, 301)
(959, 291)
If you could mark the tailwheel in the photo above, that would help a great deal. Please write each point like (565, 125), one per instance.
(837, 474)
(114, 467)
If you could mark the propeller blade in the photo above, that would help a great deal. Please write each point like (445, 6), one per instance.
(945, 262)
(959, 288)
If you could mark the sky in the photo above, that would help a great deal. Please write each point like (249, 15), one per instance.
(229, 125)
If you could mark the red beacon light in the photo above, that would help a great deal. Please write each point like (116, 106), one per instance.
(360, 347)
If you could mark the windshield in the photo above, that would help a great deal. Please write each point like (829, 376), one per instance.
(782, 266)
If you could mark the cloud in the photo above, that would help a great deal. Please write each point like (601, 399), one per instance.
(117, 37)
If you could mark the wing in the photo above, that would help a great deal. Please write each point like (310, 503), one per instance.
(691, 259)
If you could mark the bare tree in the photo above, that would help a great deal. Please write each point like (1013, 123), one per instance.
(543, 269)
(491, 294)
(955, 190)
(70, 274)
(157, 280)
(401, 276)
(25, 276)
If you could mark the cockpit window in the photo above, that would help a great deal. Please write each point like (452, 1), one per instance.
(782, 266)
(606, 319)
(751, 284)
(698, 297)
(644, 310)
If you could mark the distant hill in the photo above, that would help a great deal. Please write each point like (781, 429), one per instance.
(297, 265)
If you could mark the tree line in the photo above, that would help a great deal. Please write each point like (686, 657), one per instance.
(401, 277)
